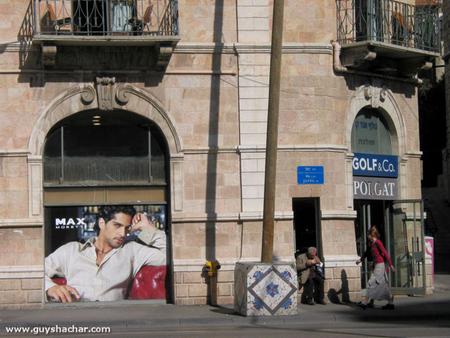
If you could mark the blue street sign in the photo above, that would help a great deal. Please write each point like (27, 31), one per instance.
(310, 175)
(375, 165)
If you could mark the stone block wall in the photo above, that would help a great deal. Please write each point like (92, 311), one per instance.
(191, 288)
(21, 293)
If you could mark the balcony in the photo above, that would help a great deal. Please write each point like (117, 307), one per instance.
(112, 23)
(388, 36)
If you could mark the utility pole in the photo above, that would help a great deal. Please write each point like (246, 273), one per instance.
(272, 131)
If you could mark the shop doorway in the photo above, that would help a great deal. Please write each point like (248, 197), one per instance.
(307, 224)
(369, 213)
(400, 224)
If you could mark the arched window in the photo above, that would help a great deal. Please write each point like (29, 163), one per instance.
(370, 133)
(104, 149)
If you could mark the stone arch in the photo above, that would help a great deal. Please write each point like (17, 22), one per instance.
(82, 98)
(378, 97)
(382, 99)
(105, 95)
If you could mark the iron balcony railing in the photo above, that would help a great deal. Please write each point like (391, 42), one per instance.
(389, 21)
(105, 17)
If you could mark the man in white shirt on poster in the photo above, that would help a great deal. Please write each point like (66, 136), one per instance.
(102, 268)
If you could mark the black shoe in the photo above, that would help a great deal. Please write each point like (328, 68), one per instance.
(370, 305)
(321, 302)
(388, 307)
(362, 305)
(308, 302)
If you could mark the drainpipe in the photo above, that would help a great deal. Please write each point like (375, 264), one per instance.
(339, 68)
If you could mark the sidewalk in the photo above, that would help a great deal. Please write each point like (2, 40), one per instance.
(135, 316)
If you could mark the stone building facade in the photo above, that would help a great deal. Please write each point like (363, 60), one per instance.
(205, 88)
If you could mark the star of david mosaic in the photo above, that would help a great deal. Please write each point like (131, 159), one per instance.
(272, 290)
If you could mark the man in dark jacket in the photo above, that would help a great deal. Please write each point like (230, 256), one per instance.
(310, 276)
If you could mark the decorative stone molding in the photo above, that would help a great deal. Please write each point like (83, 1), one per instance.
(164, 55)
(13, 153)
(122, 93)
(349, 180)
(105, 92)
(288, 48)
(340, 261)
(21, 271)
(185, 217)
(22, 223)
(377, 95)
(81, 98)
(109, 96)
(49, 55)
(258, 215)
(338, 214)
(88, 94)
(356, 57)
(35, 184)
(334, 148)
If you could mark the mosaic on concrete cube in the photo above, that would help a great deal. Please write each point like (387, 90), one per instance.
(265, 289)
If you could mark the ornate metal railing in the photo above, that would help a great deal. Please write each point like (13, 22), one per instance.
(105, 17)
(390, 22)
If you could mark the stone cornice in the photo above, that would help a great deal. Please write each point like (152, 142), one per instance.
(224, 48)
(258, 215)
(205, 150)
(413, 154)
(182, 217)
(288, 48)
(178, 217)
(204, 48)
(21, 223)
(340, 260)
(21, 271)
(338, 214)
(296, 148)
(248, 48)
(13, 153)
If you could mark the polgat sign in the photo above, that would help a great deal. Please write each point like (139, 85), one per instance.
(375, 165)
(374, 188)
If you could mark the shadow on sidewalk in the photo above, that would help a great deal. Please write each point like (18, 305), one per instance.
(225, 310)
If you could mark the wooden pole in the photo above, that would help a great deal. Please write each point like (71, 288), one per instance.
(272, 132)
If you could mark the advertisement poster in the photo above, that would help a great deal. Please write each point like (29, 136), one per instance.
(79, 268)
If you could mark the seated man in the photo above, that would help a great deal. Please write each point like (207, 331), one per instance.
(102, 268)
(310, 277)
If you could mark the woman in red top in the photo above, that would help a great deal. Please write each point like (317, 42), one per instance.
(378, 284)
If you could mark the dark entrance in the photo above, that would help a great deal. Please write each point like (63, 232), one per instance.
(307, 224)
